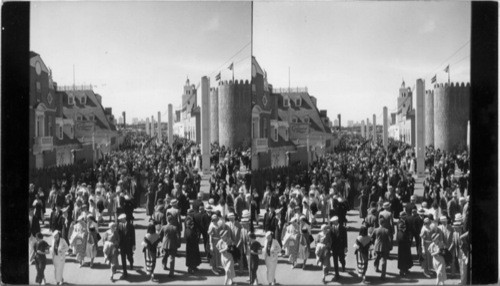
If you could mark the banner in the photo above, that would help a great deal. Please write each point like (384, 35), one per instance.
(298, 130)
(83, 128)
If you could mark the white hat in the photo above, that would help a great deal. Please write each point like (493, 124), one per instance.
(122, 216)
(334, 219)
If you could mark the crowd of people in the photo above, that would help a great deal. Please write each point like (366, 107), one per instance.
(380, 185)
(162, 178)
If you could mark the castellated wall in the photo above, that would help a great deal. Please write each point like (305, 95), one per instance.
(235, 114)
(429, 117)
(214, 115)
(451, 113)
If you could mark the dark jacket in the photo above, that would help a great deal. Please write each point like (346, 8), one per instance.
(382, 242)
(127, 235)
(170, 237)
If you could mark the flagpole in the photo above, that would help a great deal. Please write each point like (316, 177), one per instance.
(232, 65)
(448, 75)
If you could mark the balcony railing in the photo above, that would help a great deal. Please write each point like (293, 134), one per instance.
(43, 143)
(260, 145)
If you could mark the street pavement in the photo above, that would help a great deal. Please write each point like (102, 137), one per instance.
(100, 273)
(313, 274)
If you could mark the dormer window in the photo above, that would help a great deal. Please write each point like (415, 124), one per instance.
(286, 102)
(295, 120)
(298, 102)
(275, 135)
(79, 118)
(71, 100)
(83, 100)
(306, 119)
(92, 118)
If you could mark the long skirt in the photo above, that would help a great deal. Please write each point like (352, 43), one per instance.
(58, 261)
(91, 250)
(193, 257)
(362, 261)
(439, 267)
(228, 263)
(215, 261)
(150, 260)
(271, 265)
(80, 247)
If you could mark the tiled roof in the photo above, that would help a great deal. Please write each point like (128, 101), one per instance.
(307, 109)
(91, 107)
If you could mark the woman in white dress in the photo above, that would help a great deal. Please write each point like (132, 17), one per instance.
(271, 251)
(58, 250)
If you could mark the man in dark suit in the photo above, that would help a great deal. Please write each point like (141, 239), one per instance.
(414, 224)
(171, 240)
(270, 220)
(198, 202)
(56, 219)
(382, 246)
(126, 230)
(339, 245)
(202, 220)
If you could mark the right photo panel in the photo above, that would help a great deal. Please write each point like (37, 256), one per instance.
(360, 138)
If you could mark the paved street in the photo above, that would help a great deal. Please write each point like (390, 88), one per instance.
(313, 274)
(100, 273)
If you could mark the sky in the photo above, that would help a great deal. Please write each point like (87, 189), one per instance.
(353, 56)
(138, 55)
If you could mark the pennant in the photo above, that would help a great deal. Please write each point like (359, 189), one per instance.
(433, 80)
(217, 77)
(230, 67)
(447, 69)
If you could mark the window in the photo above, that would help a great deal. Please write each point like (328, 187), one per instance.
(298, 102)
(286, 134)
(286, 103)
(83, 99)
(264, 133)
(306, 119)
(39, 132)
(295, 120)
(92, 118)
(71, 100)
(79, 118)
(38, 87)
(60, 132)
(275, 134)
(50, 126)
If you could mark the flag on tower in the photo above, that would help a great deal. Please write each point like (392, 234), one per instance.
(433, 80)
(217, 77)
(447, 69)
(230, 67)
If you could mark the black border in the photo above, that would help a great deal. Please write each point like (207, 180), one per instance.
(15, 142)
(484, 142)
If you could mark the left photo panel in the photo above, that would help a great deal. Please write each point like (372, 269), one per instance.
(140, 142)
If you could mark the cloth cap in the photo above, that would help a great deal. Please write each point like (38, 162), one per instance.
(443, 219)
(386, 205)
(190, 211)
(402, 213)
(122, 216)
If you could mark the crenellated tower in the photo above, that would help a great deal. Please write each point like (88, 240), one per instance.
(451, 114)
(234, 102)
